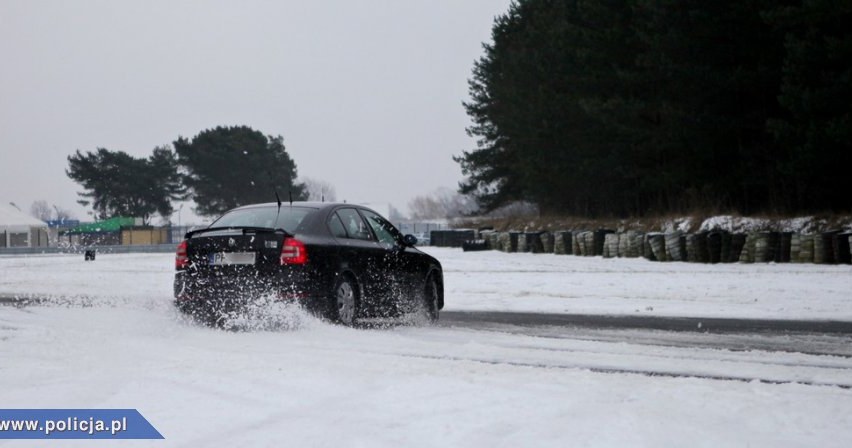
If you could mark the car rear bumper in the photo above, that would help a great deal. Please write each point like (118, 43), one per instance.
(233, 293)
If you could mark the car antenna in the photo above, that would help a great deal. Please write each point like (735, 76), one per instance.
(278, 198)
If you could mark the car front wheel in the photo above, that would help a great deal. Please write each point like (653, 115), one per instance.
(344, 306)
(430, 299)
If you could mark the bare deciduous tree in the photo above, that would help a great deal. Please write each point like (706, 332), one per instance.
(441, 204)
(319, 190)
(40, 210)
(62, 214)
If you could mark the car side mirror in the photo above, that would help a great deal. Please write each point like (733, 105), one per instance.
(409, 240)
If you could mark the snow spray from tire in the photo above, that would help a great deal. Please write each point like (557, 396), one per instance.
(266, 313)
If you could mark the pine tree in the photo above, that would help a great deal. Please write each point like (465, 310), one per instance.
(227, 167)
(640, 106)
(118, 184)
(815, 128)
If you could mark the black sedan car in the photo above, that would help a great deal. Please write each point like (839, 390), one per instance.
(344, 262)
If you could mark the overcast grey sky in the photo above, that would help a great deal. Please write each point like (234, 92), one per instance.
(367, 94)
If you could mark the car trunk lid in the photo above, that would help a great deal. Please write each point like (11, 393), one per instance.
(235, 249)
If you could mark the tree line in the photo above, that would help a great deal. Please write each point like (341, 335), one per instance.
(639, 107)
(220, 168)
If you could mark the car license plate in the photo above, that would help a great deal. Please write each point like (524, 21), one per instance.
(232, 258)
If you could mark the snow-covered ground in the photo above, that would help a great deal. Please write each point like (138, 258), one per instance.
(498, 281)
(111, 339)
(568, 284)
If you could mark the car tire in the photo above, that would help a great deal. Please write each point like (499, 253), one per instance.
(345, 302)
(430, 299)
(204, 314)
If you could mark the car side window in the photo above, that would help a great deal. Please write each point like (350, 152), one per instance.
(354, 225)
(385, 231)
(336, 226)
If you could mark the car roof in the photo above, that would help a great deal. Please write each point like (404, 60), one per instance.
(310, 204)
(323, 207)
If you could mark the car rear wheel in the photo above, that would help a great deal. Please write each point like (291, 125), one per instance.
(344, 307)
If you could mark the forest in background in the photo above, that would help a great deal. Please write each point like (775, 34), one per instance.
(651, 107)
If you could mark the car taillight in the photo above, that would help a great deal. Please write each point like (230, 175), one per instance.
(293, 252)
(181, 260)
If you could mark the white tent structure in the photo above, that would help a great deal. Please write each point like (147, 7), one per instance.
(18, 229)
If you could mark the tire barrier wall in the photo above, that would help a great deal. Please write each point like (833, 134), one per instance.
(563, 243)
(675, 246)
(696, 248)
(579, 242)
(546, 242)
(450, 238)
(703, 247)
(530, 242)
(610, 248)
(474, 245)
(657, 242)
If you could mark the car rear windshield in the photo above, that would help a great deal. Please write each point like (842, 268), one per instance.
(288, 219)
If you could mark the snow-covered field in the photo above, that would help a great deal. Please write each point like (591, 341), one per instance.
(111, 339)
(568, 284)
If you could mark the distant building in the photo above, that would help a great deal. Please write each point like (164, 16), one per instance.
(18, 229)
(103, 233)
(117, 231)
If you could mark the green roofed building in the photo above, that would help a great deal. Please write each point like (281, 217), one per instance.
(106, 232)
(110, 225)
(117, 231)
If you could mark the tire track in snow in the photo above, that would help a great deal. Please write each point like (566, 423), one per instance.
(617, 370)
(696, 358)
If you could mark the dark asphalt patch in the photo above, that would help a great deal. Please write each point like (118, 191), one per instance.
(693, 324)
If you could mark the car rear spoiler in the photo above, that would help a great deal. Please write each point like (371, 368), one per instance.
(244, 229)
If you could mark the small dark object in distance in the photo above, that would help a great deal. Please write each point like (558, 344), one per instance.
(474, 245)
(89, 255)
(451, 238)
